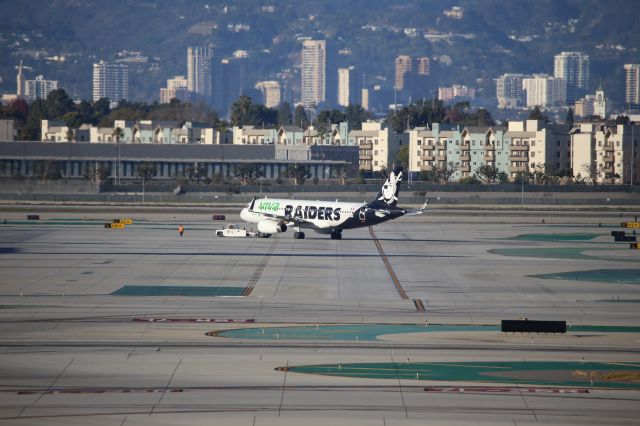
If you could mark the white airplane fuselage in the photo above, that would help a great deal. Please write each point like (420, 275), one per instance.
(322, 216)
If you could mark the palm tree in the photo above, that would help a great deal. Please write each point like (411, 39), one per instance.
(70, 134)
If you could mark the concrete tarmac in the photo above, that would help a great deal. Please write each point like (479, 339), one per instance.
(71, 352)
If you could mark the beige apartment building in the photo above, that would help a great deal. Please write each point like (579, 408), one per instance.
(610, 152)
(378, 145)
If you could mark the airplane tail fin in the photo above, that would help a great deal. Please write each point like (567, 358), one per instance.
(388, 195)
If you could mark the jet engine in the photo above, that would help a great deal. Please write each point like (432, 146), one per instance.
(271, 227)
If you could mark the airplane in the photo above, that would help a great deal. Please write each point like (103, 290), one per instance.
(325, 217)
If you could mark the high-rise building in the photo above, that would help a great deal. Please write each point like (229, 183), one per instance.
(509, 90)
(403, 67)
(632, 84)
(423, 67)
(365, 99)
(20, 82)
(600, 105)
(176, 89)
(544, 91)
(38, 88)
(349, 86)
(176, 82)
(200, 70)
(573, 67)
(313, 84)
(270, 93)
(111, 81)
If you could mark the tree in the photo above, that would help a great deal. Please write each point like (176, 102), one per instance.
(444, 171)
(503, 177)
(300, 117)
(146, 171)
(536, 114)
(327, 117)
(71, 135)
(570, 119)
(543, 174)
(403, 155)
(118, 133)
(298, 173)
(100, 109)
(97, 173)
(240, 111)
(33, 125)
(342, 173)
(593, 172)
(487, 173)
(355, 115)
(47, 170)
(284, 114)
(196, 172)
(248, 173)
(58, 103)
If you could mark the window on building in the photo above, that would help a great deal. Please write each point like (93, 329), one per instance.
(533, 154)
(419, 142)
(419, 153)
(375, 141)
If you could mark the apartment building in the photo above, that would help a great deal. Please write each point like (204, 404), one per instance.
(544, 91)
(608, 152)
(140, 132)
(313, 73)
(200, 70)
(39, 88)
(632, 84)
(177, 88)
(532, 143)
(514, 149)
(509, 91)
(378, 145)
(270, 93)
(573, 68)
(249, 135)
(111, 81)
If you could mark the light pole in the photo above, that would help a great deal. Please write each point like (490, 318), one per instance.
(118, 162)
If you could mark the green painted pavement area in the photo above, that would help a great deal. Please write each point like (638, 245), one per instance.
(555, 237)
(371, 332)
(623, 276)
(576, 253)
(172, 290)
(549, 373)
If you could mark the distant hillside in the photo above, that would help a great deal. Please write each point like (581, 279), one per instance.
(492, 37)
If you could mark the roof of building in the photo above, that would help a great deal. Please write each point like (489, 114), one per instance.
(144, 152)
(291, 128)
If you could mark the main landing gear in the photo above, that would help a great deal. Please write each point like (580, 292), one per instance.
(336, 235)
(298, 235)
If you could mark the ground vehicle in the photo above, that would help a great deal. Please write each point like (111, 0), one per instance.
(233, 230)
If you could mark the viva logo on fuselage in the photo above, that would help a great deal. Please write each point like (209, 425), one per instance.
(306, 212)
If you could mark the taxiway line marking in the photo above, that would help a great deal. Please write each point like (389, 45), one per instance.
(258, 272)
(392, 274)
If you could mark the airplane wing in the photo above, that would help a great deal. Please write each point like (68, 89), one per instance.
(419, 211)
